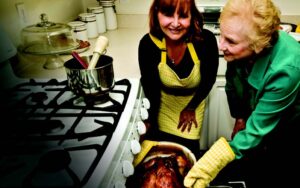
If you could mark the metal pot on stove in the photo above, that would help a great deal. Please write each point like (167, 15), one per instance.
(93, 83)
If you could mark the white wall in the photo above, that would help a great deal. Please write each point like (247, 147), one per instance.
(142, 6)
(288, 7)
(57, 11)
(133, 6)
(67, 10)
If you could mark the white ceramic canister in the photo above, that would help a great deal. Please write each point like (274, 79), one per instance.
(91, 24)
(100, 18)
(79, 30)
(110, 14)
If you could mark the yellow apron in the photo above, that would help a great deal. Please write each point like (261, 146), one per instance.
(171, 105)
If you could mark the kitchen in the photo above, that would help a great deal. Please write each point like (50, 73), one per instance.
(132, 24)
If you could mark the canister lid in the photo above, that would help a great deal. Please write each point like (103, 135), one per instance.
(87, 17)
(77, 24)
(107, 3)
(97, 9)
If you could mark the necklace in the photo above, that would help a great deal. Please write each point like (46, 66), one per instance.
(176, 56)
(173, 61)
(176, 52)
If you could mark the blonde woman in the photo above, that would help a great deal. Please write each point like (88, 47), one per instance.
(262, 86)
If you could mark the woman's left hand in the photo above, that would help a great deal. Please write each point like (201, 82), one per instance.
(186, 120)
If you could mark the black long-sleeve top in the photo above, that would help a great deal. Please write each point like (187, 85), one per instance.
(149, 56)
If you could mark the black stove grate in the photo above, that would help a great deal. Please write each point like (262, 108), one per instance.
(19, 111)
(44, 117)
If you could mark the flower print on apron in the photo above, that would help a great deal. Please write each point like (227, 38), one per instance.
(172, 105)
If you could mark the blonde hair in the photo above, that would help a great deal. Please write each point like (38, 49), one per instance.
(261, 19)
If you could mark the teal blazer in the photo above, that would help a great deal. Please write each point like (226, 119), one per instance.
(268, 96)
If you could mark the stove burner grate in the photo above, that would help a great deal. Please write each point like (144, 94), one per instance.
(47, 119)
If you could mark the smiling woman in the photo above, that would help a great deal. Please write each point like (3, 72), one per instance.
(170, 56)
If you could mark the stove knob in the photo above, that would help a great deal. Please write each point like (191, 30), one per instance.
(127, 168)
(146, 103)
(144, 114)
(135, 147)
(141, 127)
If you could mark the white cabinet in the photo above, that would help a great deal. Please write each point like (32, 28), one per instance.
(220, 122)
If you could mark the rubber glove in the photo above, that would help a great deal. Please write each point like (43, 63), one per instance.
(145, 148)
(209, 165)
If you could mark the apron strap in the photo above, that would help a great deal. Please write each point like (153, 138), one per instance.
(162, 46)
(193, 52)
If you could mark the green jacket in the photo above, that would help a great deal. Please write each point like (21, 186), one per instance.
(268, 96)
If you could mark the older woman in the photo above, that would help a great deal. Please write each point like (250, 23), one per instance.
(262, 86)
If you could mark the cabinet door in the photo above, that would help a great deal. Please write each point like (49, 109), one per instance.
(220, 122)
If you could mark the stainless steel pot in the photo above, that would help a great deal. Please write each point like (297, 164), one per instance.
(90, 83)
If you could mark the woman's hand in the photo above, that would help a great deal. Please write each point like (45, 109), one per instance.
(186, 120)
(240, 124)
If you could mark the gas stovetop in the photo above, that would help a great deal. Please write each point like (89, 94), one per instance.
(52, 137)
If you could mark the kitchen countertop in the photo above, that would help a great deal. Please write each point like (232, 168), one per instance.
(123, 48)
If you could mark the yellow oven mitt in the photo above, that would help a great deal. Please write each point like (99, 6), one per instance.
(209, 165)
(145, 148)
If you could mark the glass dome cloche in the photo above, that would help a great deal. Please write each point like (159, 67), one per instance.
(48, 38)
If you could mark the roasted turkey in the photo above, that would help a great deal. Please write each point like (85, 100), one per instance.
(160, 172)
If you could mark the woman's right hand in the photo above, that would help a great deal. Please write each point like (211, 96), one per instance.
(186, 120)
(240, 124)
